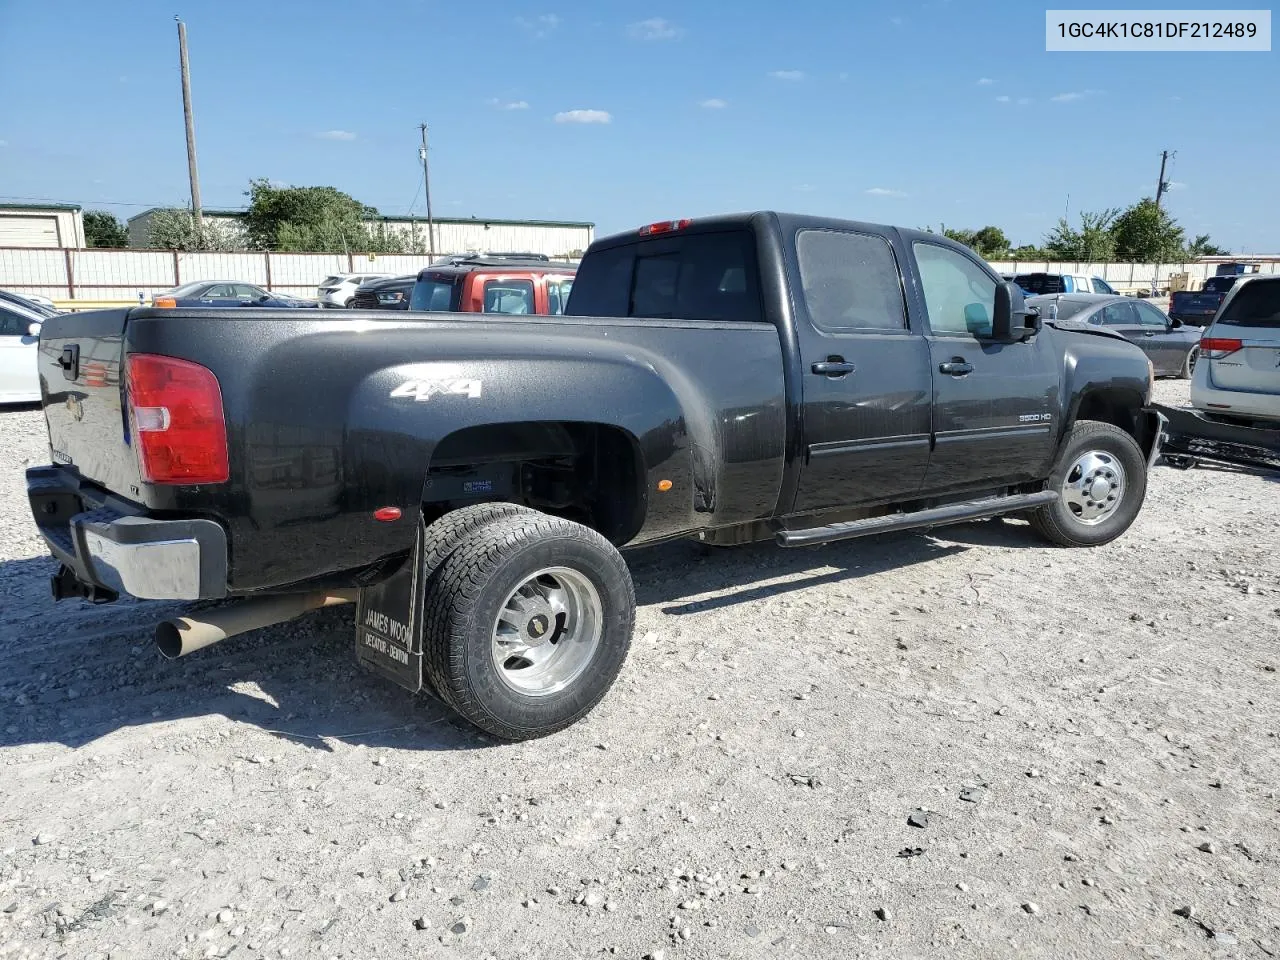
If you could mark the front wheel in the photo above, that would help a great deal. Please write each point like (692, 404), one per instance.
(1101, 480)
(528, 624)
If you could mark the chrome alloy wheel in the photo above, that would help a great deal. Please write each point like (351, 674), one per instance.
(547, 632)
(1094, 486)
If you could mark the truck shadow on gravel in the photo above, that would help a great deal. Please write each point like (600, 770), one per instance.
(75, 673)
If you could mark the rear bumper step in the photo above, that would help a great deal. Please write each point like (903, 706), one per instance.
(111, 547)
(1190, 433)
(933, 517)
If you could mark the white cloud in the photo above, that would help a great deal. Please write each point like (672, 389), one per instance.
(336, 135)
(655, 28)
(509, 104)
(843, 77)
(787, 74)
(1003, 99)
(896, 21)
(715, 103)
(4, 143)
(1074, 95)
(539, 26)
(806, 188)
(1024, 100)
(1177, 185)
(985, 81)
(885, 192)
(584, 116)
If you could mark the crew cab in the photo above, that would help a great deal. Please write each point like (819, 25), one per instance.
(1041, 284)
(470, 482)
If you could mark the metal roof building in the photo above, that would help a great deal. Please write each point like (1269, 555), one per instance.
(41, 225)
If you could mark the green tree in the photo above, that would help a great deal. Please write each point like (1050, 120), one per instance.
(1093, 242)
(102, 229)
(1202, 246)
(319, 219)
(1028, 252)
(175, 229)
(991, 242)
(1146, 233)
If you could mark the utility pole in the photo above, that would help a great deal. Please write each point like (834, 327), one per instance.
(196, 212)
(426, 189)
(1163, 184)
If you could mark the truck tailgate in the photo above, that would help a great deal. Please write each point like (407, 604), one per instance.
(81, 373)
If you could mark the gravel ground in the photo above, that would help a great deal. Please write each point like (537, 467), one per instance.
(962, 744)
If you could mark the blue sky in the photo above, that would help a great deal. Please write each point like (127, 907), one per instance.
(910, 113)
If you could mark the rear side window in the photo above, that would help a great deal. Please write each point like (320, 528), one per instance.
(435, 293)
(850, 281)
(509, 296)
(1219, 284)
(706, 276)
(1101, 286)
(13, 325)
(1256, 304)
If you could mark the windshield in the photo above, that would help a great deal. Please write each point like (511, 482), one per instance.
(1256, 304)
(186, 290)
(17, 300)
(437, 292)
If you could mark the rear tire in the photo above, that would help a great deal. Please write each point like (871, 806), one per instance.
(1101, 478)
(528, 624)
(1189, 364)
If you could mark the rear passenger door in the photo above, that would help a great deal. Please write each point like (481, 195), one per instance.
(867, 392)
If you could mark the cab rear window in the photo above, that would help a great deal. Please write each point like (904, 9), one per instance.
(1256, 304)
(699, 276)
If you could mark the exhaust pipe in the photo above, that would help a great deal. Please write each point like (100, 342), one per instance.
(182, 635)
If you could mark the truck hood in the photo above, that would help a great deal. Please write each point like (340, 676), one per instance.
(1075, 326)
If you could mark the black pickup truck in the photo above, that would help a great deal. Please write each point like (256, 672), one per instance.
(468, 482)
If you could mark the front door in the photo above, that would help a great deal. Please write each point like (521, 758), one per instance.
(866, 381)
(994, 404)
(19, 379)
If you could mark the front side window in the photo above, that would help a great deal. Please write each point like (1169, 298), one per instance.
(13, 325)
(850, 281)
(1149, 316)
(508, 296)
(959, 295)
(1101, 286)
(558, 295)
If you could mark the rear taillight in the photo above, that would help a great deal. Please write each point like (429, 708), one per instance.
(1217, 347)
(175, 408)
(664, 226)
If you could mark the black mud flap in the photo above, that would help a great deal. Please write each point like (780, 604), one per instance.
(389, 624)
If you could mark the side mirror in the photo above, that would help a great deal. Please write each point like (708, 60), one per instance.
(1175, 324)
(34, 329)
(1014, 321)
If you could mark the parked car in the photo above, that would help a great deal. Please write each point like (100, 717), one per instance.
(507, 283)
(1038, 284)
(469, 484)
(388, 293)
(19, 344)
(1238, 376)
(1172, 347)
(339, 289)
(41, 305)
(1197, 307)
(225, 293)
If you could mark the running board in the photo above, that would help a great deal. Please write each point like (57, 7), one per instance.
(933, 517)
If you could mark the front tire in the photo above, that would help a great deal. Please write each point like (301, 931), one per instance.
(528, 624)
(1101, 479)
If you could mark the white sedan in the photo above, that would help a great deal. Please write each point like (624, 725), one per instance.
(19, 343)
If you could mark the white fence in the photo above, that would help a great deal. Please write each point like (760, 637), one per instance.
(64, 274)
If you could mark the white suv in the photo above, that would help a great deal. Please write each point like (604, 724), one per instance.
(337, 290)
(1238, 375)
